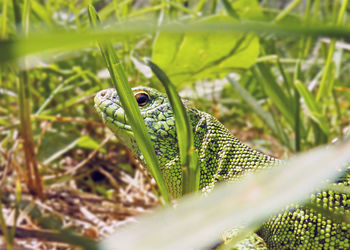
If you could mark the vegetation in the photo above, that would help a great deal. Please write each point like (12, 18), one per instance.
(275, 74)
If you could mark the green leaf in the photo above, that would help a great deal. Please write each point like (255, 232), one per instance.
(89, 143)
(200, 221)
(192, 56)
(188, 154)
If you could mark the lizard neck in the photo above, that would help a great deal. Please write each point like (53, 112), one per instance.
(223, 156)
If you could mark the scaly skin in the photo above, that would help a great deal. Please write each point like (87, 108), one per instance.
(223, 157)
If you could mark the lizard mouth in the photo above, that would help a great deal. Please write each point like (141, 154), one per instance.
(108, 105)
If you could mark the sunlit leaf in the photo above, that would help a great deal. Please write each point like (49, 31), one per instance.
(191, 56)
(89, 143)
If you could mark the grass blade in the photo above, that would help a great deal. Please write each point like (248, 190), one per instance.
(130, 106)
(33, 178)
(188, 154)
(275, 92)
(3, 29)
(287, 10)
(58, 39)
(230, 11)
(313, 107)
(264, 115)
(296, 109)
(327, 80)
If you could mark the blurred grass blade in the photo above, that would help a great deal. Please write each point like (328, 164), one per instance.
(42, 12)
(188, 154)
(3, 30)
(275, 92)
(199, 221)
(131, 108)
(230, 11)
(328, 74)
(285, 78)
(287, 10)
(55, 92)
(264, 115)
(17, 209)
(5, 232)
(313, 107)
(296, 109)
(33, 178)
(327, 80)
(62, 39)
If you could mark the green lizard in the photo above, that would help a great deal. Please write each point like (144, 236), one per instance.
(223, 157)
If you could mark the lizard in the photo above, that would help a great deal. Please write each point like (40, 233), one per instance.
(224, 158)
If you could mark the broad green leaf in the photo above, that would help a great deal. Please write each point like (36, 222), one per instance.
(192, 56)
(200, 221)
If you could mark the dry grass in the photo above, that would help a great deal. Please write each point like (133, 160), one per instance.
(76, 205)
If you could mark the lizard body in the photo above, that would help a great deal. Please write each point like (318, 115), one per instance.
(224, 157)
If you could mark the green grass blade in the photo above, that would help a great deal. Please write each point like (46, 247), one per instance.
(188, 154)
(33, 177)
(313, 107)
(131, 108)
(59, 39)
(199, 221)
(42, 12)
(258, 109)
(328, 73)
(55, 92)
(275, 92)
(230, 11)
(327, 80)
(4, 229)
(287, 10)
(297, 110)
(3, 30)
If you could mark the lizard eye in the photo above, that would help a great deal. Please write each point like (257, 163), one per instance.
(142, 98)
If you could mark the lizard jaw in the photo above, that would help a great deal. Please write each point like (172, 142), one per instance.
(109, 107)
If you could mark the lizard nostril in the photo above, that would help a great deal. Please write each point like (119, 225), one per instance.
(103, 93)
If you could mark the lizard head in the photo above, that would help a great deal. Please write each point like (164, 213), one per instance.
(159, 119)
(154, 108)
